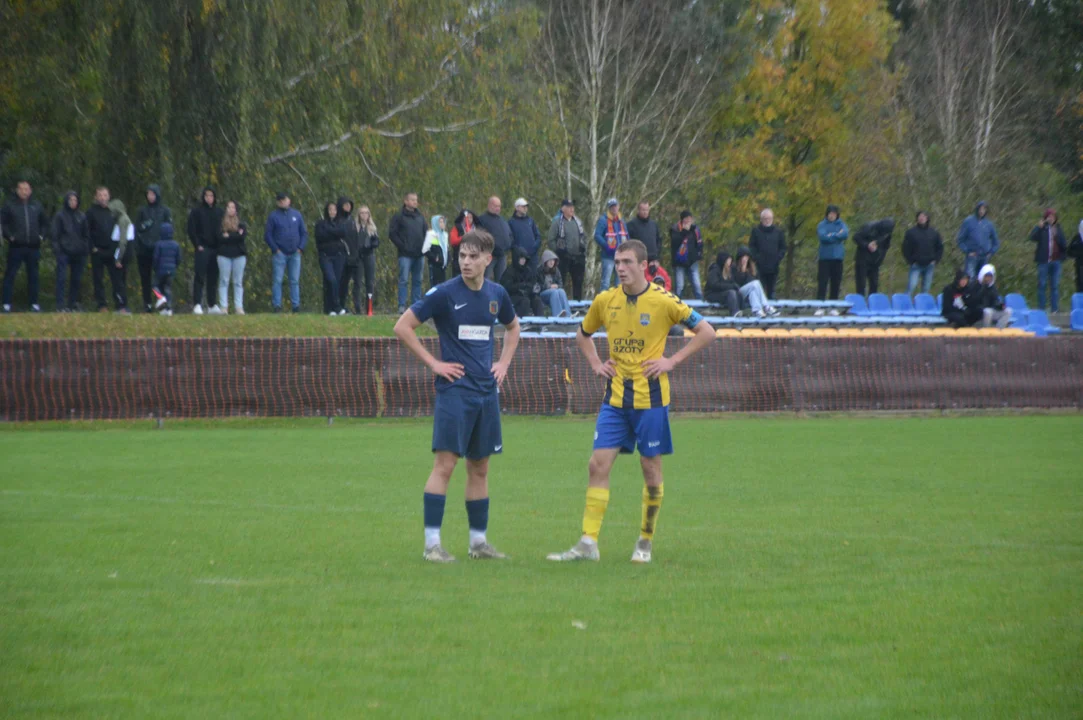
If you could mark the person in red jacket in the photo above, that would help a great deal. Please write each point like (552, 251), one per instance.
(654, 270)
(464, 223)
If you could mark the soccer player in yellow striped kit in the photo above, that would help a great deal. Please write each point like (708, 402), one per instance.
(637, 316)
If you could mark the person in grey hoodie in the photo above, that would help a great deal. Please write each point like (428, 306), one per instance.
(552, 285)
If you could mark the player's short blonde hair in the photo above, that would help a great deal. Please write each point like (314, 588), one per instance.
(633, 246)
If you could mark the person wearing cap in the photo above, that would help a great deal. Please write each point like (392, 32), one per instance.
(687, 247)
(286, 236)
(644, 229)
(525, 234)
(610, 233)
(568, 240)
(1050, 252)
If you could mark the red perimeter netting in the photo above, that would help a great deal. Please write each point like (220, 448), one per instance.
(353, 377)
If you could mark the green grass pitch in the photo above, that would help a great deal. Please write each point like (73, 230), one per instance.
(827, 568)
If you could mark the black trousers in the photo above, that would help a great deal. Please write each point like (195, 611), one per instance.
(101, 264)
(437, 274)
(575, 267)
(828, 273)
(729, 298)
(768, 280)
(866, 274)
(164, 283)
(332, 266)
(146, 278)
(206, 277)
(66, 265)
(1079, 276)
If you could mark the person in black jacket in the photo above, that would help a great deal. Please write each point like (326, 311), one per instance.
(147, 227)
(204, 229)
(645, 230)
(958, 306)
(407, 233)
(922, 249)
(367, 242)
(1050, 249)
(71, 245)
(493, 223)
(523, 283)
(332, 251)
(232, 260)
(873, 241)
(100, 223)
(767, 242)
(1075, 250)
(352, 269)
(686, 244)
(24, 224)
(722, 289)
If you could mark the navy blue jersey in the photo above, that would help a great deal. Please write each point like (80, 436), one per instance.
(464, 318)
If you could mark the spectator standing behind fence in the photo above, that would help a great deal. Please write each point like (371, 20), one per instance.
(435, 249)
(24, 224)
(832, 233)
(352, 269)
(232, 259)
(204, 230)
(722, 289)
(987, 298)
(464, 223)
(686, 244)
(123, 238)
(286, 236)
(767, 243)
(493, 223)
(1075, 250)
(977, 239)
(749, 286)
(369, 241)
(331, 248)
(922, 249)
(407, 233)
(645, 230)
(166, 260)
(1051, 248)
(71, 245)
(873, 241)
(104, 259)
(148, 225)
(568, 240)
(658, 275)
(552, 284)
(525, 234)
(957, 302)
(610, 233)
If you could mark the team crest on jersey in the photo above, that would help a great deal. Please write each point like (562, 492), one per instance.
(644, 318)
(494, 307)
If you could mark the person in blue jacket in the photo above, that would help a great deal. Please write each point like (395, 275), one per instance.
(977, 239)
(610, 233)
(287, 236)
(165, 261)
(832, 232)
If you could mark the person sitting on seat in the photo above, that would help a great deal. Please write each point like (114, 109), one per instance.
(987, 297)
(958, 302)
(748, 281)
(722, 289)
(523, 284)
(552, 286)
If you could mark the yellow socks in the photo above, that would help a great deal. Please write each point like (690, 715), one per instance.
(652, 504)
(597, 500)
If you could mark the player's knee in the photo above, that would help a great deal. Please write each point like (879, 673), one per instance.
(598, 465)
(444, 464)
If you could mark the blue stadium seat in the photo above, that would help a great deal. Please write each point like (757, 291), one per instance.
(1038, 322)
(857, 304)
(925, 304)
(880, 305)
(1077, 301)
(1016, 302)
(1077, 319)
(902, 304)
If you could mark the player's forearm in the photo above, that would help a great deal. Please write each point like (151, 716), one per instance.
(405, 332)
(586, 347)
(704, 336)
(511, 343)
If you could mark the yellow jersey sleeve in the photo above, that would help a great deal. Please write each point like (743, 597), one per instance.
(595, 318)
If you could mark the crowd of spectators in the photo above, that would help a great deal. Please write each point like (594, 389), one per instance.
(541, 270)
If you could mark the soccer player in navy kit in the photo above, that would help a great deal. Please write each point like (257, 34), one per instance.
(466, 420)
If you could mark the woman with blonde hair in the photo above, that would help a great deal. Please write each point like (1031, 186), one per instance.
(232, 258)
(363, 241)
(751, 289)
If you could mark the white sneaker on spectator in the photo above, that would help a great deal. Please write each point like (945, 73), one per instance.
(7, 308)
(818, 313)
(238, 311)
(834, 313)
(773, 311)
(333, 313)
(762, 313)
(197, 310)
(216, 311)
(35, 308)
(739, 313)
(342, 311)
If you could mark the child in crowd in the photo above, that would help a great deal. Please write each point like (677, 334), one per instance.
(167, 256)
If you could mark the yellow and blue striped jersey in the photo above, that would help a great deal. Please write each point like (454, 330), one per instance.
(637, 327)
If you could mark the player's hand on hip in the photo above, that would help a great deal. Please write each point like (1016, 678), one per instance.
(449, 371)
(606, 369)
(500, 371)
(654, 368)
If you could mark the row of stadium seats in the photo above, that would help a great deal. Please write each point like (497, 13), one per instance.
(841, 305)
(869, 332)
(727, 321)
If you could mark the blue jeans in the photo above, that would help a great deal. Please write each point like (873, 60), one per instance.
(753, 292)
(924, 273)
(682, 274)
(974, 264)
(558, 301)
(227, 268)
(280, 261)
(1049, 273)
(412, 267)
(608, 264)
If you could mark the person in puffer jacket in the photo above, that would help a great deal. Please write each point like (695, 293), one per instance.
(832, 233)
(23, 224)
(165, 261)
(71, 245)
(331, 246)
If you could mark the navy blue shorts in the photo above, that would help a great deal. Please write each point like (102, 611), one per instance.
(625, 429)
(467, 424)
